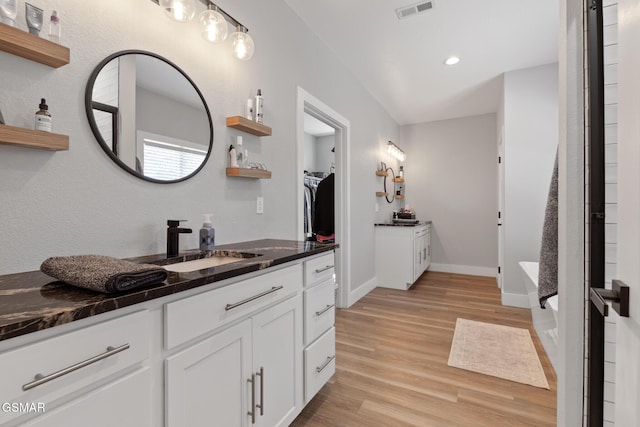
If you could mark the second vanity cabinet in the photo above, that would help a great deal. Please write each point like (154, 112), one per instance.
(403, 253)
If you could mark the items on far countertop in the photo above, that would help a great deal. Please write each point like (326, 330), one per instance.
(102, 273)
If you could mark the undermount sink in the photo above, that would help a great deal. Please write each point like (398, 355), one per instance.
(216, 259)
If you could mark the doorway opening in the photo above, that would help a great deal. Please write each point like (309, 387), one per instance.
(308, 105)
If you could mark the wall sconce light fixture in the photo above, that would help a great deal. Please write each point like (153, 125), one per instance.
(213, 24)
(395, 151)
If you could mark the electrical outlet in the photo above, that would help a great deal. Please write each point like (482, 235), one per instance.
(260, 205)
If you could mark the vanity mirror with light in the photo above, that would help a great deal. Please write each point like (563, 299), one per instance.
(149, 116)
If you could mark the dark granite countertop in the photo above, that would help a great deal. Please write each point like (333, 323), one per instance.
(33, 301)
(401, 224)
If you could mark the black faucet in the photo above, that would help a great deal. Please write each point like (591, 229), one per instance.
(173, 234)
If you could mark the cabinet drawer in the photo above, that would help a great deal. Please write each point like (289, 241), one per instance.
(319, 310)
(60, 360)
(196, 315)
(319, 363)
(319, 269)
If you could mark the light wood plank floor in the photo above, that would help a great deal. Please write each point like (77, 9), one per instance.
(392, 353)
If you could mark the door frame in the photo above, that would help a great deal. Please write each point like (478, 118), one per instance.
(307, 103)
(571, 215)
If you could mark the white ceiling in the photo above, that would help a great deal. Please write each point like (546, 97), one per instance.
(315, 127)
(401, 62)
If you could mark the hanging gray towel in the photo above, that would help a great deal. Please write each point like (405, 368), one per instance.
(548, 268)
(102, 273)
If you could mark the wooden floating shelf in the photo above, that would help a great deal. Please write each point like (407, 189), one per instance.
(21, 43)
(381, 173)
(249, 173)
(381, 194)
(33, 138)
(398, 179)
(400, 197)
(248, 126)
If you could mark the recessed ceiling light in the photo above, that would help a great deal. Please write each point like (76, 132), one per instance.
(452, 60)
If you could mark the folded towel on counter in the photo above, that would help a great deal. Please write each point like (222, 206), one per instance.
(102, 273)
(548, 269)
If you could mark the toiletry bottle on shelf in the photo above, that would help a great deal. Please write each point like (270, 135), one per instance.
(55, 32)
(8, 12)
(34, 16)
(233, 159)
(43, 117)
(259, 107)
(240, 152)
(207, 234)
(249, 112)
(401, 173)
(246, 159)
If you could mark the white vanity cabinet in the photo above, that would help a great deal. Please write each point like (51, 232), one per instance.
(319, 319)
(249, 352)
(97, 375)
(403, 253)
(249, 373)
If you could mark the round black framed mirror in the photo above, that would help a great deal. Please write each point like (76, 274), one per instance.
(149, 116)
(393, 181)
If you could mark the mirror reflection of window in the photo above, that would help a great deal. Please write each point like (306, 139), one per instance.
(165, 158)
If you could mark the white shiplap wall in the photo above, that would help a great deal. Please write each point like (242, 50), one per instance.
(610, 40)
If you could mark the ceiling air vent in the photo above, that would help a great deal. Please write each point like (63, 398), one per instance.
(414, 9)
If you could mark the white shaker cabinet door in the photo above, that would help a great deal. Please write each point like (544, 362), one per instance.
(207, 384)
(277, 357)
(125, 402)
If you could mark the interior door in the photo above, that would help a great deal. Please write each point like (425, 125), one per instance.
(628, 328)
(500, 206)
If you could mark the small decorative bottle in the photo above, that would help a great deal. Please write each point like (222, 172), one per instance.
(401, 173)
(240, 153)
(259, 107)
(55, 32)
(43, 117)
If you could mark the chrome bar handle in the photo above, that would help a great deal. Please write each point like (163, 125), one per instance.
(261, 375)
(325, 364)
(324, 310)
(328, 267)
(41, 379)
(253, 399)
(260, 295)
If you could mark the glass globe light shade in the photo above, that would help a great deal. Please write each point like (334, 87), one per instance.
(179, 10)
(243, 46)
(213, 25)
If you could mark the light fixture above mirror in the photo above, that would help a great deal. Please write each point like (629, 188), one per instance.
(395, 151)
(213, 23)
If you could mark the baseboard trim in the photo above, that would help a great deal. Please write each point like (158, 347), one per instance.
(463, 269)
(361, 291)
(515, 300)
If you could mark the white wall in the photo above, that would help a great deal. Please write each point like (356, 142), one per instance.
(309, 158)
(324, 156)
(80, 202)
(451, 175)
(530, 121)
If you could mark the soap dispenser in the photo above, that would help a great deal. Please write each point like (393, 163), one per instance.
(207, 234)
